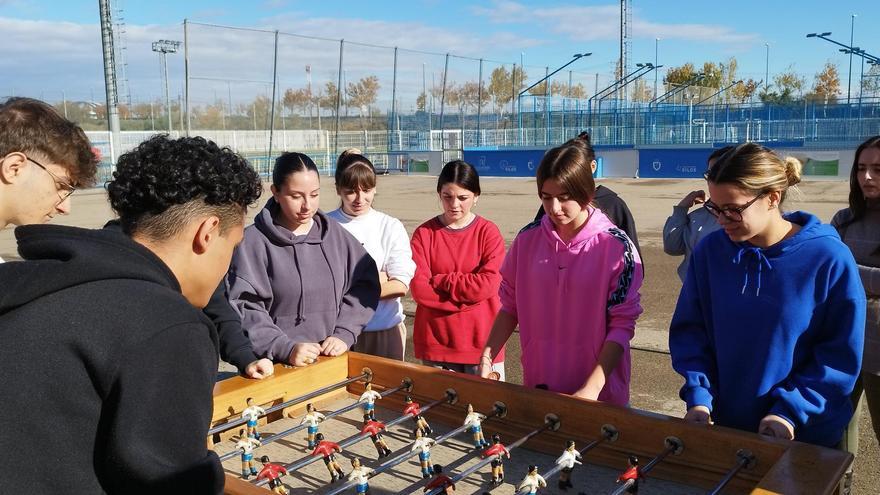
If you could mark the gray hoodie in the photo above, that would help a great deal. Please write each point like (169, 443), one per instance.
(684, 230)
(271, 267)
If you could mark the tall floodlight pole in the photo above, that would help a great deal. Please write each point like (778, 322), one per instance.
(767, 68)
(656, 63)
(109, 76)
(163, 48)
(852, 30)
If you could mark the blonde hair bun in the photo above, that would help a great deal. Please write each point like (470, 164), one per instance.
(793, 170)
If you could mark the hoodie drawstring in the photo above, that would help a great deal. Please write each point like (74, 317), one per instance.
(300, 318)
(762, 260)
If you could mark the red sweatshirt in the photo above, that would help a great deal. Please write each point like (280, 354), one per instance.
(456, 289)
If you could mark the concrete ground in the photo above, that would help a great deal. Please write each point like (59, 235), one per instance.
(511, 203)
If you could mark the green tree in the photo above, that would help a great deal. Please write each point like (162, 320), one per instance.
(421, 102)
(788, 86)
(559, 88)
(504, 85)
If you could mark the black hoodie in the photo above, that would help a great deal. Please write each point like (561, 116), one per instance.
(107, 370)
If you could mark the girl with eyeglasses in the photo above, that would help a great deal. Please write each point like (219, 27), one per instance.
(859, 228)
(767, 332)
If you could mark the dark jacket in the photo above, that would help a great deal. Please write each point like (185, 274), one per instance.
(235, 346)
(615, 209)
(293, 289)
(107, 372)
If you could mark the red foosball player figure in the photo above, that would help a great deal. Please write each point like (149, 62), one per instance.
(375, 428)
(415, 410)
(273, 472)
(247, 445)
(328, 450)
(440, 481)
(498, 450)
(632, 473)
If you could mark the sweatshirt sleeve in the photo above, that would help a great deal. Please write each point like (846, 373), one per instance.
(362, 295)
(235, 346)
(624, 305)
(159, 410)
(690, 347)
(870, 279)
(423, 292)
(675, 232)
(507, 291)
(250, 292)
(622, 217)
(400, 265)
(831, 371)
(483, 283)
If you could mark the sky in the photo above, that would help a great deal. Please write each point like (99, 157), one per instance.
(52, 49)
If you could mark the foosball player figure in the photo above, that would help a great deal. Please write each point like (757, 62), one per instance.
(423, 444)
(415, 410)
(247, 446)
(440, 481)
(273, 472)
(360, 474)
(328, 450)
(530, 484)
(252, 414)
(570, 456)
(474, 421)
(375, 428)
(312, 418)
(369, 398)
(632, 473)
(497, 452)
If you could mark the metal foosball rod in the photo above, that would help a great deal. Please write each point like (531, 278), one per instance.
(673, 446)
(405, 385)
(745, 459)
(609, 434)
(499, 410)
(366, 375)
(451, 397)
(551, 422)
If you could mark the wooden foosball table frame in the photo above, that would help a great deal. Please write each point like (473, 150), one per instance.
(780, 467)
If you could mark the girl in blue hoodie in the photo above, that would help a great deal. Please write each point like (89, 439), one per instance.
(768, 329)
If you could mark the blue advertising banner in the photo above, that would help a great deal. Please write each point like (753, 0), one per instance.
(673, 163)
(515, 163)
(512, 163)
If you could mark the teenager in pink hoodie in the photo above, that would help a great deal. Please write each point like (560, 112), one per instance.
(571, 281)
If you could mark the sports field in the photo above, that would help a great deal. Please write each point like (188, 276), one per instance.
(511, 203)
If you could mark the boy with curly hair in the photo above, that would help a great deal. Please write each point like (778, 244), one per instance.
(105, 343)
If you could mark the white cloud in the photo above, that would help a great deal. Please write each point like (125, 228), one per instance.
(44, 58)
(581, 23)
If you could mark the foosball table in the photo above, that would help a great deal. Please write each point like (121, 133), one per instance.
(363, 424)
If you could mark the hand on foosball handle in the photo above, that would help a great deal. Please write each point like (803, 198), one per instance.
(777, 427)
(259, 369)
(485, 366)
(699, 415)
(304, 354)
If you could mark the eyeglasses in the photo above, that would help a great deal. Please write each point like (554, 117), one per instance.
(65, 188)
(732, 213)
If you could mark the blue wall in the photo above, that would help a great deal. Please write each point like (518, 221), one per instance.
(673, 163)
(513, 163)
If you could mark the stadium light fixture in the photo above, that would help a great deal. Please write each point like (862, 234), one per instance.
(575, 57)
(163, 48)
